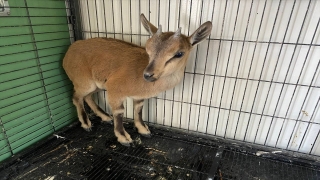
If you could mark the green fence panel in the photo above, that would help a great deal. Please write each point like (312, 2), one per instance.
(35, 92)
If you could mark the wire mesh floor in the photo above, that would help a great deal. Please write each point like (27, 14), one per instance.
(77, 154)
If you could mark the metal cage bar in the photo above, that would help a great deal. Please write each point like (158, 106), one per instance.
(230, 74)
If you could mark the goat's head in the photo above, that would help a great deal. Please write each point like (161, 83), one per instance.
(168, 51)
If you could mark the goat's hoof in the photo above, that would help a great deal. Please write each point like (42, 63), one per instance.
(86, 127)
(125, 141)
(128, 144)
(149, 135)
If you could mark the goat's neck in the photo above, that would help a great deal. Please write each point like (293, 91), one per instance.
(166, 83)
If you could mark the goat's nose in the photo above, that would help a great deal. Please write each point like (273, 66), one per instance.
(147, 75)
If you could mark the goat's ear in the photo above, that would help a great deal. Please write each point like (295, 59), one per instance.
(201, 33)
(147, 25)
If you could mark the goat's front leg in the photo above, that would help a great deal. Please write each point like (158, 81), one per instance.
(138, 122)
(119, 131)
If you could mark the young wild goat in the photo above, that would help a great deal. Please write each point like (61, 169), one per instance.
(127, 70)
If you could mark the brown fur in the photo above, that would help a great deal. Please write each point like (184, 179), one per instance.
(119, 67)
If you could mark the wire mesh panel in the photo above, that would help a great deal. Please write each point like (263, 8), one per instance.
(255, 79)
(35, 93)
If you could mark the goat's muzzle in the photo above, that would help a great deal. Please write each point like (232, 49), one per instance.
(148, 76)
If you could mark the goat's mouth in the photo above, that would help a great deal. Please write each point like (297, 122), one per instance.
(150, 79)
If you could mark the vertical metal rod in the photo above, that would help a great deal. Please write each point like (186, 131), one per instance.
(95, 1)
(148, 101)
(98, 32)
(105, 21)
(194, 75)
(311, 118)
(173, 90)
(295, 47)
(106, 34)
(130, 19)
(156, 98)
(291, 100)
(39, 65)
(172, 106)
(295, 88)
(140, 24)
(254, 50)
(315, 141)
(313, 78)
(189, 19)
(130, 15)
(184, 77)
(301, 110)
(89, 19)
(250, 67)
(207, 124)
(263, 65)
(264, 61)
(164, 103)
(215, 71)
(226, 71)
(121, 16)
(169, 15)
(114, 28)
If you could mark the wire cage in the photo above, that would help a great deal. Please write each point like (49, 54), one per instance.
(247, 107)
(252, 80)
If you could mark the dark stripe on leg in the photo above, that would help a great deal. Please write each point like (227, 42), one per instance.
(140, 116)
(84, 117)
(119, 124)
(138, 110)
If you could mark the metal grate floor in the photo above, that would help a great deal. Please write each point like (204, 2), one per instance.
(77, 154)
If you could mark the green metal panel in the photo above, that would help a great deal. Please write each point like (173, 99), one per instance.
(11, 58)
(20, 89)
(6, 68)
(35, 93)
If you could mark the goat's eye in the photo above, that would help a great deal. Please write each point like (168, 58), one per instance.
(178, 55)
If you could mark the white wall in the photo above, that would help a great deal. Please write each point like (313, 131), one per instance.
(256, 79)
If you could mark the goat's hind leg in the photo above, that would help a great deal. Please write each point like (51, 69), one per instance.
(138, 122)
(82, 115)
(97, 110)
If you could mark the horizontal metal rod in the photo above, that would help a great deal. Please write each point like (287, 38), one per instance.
(40, 7)
(32, 25)
(18, 61)
(36, 33)
(211, 39)
(234, 110)
(33, 50)
(250, 79)
(31, 75)
(33, 88)
(56, 100)
(8, 45)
